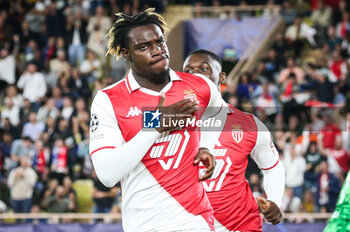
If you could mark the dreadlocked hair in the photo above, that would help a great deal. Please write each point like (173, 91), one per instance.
(118, 34)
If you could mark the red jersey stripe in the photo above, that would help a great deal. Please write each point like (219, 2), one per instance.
(106, 147)
(265, 169)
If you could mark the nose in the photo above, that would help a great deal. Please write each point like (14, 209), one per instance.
(156, 50)
(196, 70)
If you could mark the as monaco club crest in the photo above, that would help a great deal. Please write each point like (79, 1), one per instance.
(237, 133)
(190, 94)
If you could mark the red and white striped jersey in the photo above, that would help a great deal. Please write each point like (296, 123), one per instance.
(235, 208)
(162, 192)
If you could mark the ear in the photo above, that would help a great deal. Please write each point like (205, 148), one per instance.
(222, 77)
(126, 54)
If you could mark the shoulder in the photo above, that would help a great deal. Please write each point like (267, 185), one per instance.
(188, 77)
(245, 117)
(119, 87)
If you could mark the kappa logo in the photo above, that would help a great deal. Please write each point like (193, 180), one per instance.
(134, 111)
(237, 133)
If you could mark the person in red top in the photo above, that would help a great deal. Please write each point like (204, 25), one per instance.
(329, 132)
(235, 208)
(157, 164)
(338, 66)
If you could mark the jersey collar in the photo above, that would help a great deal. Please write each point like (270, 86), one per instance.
(132, 84)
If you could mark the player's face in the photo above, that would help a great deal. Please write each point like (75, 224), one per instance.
(204, 64)
(148, 52)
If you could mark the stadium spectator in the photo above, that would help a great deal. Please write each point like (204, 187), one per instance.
(58, 159)
(13, 95)
(9, 128)
(11, 112)
(295, 167)
(297, 33)
(5, 147)
(33, 128)
(329, 132)
(76, 38)
(25, 111)
(288, 13)
(338, 158)
(78, 84)
(20, 148)
(21, 182)
(70, 192)
(47, 110)
(68, 108)
(332, 41)
(328, 188)
(57, 97)
(309, 204)
(33, 85)
(344, 26)
(291, 68)
(245, 87)
(8, 63)
(103, 23)
(290, 202)
(321, 18)
(40, 159)
(60, 65)
(313, 158)
(338, 66)
(54, 19)
(90, 67)
(58, 202)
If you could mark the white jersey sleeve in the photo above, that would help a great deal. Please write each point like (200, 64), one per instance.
(111, 156)
(266, 156)
(216, 109)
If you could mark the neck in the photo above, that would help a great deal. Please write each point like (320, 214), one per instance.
(155, 83)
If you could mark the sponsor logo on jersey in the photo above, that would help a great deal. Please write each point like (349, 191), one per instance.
(134, 111)
(151, 119)
(190, 94)
(237, 133)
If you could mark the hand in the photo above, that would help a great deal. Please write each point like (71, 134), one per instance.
(270, 210)
(99, 194)
(176, 112)
(207, 160)
(19, 173)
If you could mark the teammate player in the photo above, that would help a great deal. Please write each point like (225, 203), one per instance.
(158, 171)
(229, 193)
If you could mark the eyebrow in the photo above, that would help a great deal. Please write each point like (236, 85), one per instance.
(141, 42)
(200, 64)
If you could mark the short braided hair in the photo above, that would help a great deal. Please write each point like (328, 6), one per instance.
(118, 34)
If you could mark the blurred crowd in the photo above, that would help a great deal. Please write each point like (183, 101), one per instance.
(53, 62)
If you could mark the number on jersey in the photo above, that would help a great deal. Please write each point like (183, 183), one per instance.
(170, 144)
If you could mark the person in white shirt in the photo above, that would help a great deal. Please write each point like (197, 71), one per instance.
(295, 167)
(8, 64)
(21, 182)
(90, 67)
(33, 84)
(11, 111)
